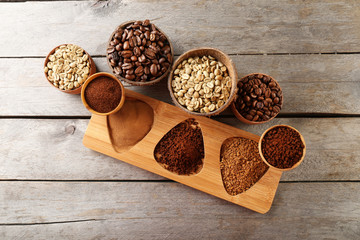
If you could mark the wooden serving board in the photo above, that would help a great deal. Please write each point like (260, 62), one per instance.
(258, 198)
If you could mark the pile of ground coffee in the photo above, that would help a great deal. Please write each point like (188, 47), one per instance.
(240, 164)
(282, 147)
(181, 150)
(103, 94)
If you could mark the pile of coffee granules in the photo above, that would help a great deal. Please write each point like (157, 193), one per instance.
(240, 164)
(103, 94)
(181, 150)
(282, 147)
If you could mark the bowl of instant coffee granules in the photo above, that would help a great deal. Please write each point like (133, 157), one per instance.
(139, 53)
(203, 81)
(258, 100)
(67, 67)
(103, 94)
(282, 147)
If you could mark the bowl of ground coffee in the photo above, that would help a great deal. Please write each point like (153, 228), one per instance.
(103, 94)
(139, 53)
(258, 100)
(282, 147)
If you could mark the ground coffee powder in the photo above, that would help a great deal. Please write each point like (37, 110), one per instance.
(282, 147)
(240, 164)
(103, 94)
(181, 150)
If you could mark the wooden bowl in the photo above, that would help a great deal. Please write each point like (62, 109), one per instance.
(75, 90)
(221, 57)
(243, 119)
(91, 78)
(276, 168)
(147, 83)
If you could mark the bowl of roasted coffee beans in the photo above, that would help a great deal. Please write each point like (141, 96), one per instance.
(258, 100)
(282, 147)
(67, 67)
(203, 81)
(139, 53)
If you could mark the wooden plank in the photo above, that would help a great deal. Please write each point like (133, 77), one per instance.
(311, 84)
(52, 149)
(172, 211)
(235, 27)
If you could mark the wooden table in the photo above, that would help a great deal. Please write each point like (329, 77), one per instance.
(52, 187)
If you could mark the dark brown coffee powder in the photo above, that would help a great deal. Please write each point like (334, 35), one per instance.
(282, 147)
(181, 150)
(240, 164)
(103, 94)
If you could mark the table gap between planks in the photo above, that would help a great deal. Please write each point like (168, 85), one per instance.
(51, 185)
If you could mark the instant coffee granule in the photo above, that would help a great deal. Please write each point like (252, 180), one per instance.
(282, 147)
(103, 94)
(240, 164)
(181, 150)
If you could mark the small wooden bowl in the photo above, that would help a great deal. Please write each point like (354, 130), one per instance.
(240, 117)
(78, 89)
(91, 78)
(134, 83)
(221, 57)
(276, 168)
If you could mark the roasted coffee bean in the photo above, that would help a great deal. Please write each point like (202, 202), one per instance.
(166, 49)
(113, 62)
(246, 98)
(118, 47)
(126, 54)
(139, 70)
(115, 56)
(147, 70)
(130, 77)
(260, 105)
(150, 54)
(142, 58)
(258, 97)
(110, 50)
(272, 84)
(153, 69)
(146, 22)
(147, 35)
(118, 70)
(126, 45)
(139, 52)
(152, 37)
(276, 109)
(153, 28)
(249, 117)
(130, 72)
(133, 58)
(127, 66)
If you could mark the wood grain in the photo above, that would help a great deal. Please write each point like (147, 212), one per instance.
(311, 84)
(51, 149)
(173, 211)
(234, 27)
